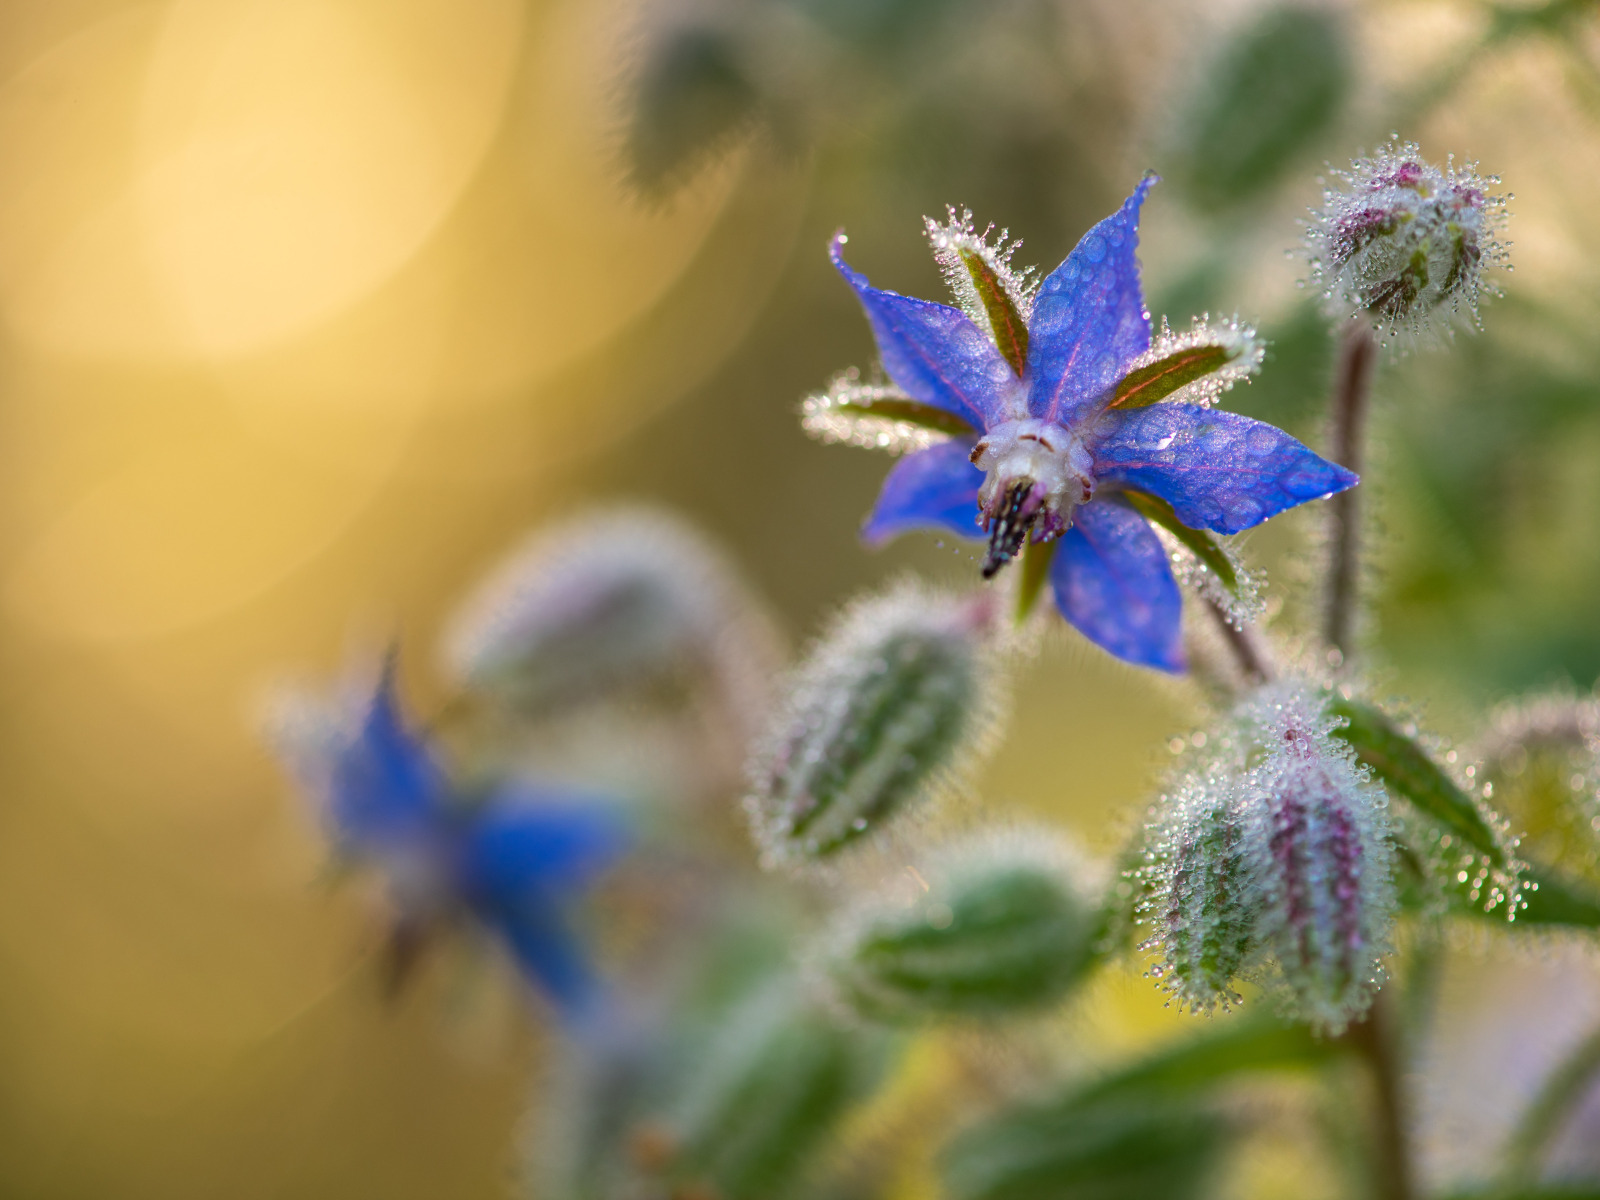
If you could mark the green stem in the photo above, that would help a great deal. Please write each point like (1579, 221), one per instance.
(1565, 1088)
(1374, 1039)
(1254, 660)
(1352, 388)
(1036, 560)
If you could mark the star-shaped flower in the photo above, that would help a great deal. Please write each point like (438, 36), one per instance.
(510, 857)
(1045, 414)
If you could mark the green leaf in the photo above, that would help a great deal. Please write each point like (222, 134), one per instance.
(1166, 375)
(1198, 542)
(1010, 330)
(1277, 88)
(1036, 560)
(924, 416)
(1557, 901)
(1066, 1151)
(1406, 768)
(1252, 1045)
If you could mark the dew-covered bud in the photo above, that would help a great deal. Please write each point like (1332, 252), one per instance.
(892, 705)
(1400, 239)
(980, 930)
(1318, 835)
(611, 599)
(1202, 896)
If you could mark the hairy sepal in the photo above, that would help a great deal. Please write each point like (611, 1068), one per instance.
(1194, 367)
(876, 417)
(997, 296)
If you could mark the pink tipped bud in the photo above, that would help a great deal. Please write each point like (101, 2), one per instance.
(1320, 842)
(1399, 239)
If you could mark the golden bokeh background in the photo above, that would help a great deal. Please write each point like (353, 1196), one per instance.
(308, 308)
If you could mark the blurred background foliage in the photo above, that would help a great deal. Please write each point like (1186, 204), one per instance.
(311, 307)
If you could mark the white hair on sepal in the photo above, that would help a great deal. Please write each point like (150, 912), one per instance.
(843, 415)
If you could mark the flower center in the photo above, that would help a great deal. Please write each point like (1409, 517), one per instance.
(1038, 473)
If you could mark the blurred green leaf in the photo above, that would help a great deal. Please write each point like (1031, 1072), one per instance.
(1128, 1151)
(1558, 901)
(1251, 1045)
(1277, 87)
(1405, 767)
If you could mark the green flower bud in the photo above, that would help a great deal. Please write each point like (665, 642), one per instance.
(606, 601)
(891, 706)
(1203, 898)
(766, 1098)
(1399, 239)
(986, 930)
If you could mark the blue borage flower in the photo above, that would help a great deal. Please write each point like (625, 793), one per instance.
(511, 857)
(1036, 409)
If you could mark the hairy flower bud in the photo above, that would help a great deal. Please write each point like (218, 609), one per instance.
(990, 929)
(1399, 239)
(765, 1096)
(605, 600)
(892, 704)
(1204, 899)
(1318, 833)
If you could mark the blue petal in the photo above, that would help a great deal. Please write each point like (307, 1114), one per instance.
(935, 488)
(1112, 582)
(385, 784)
(550, 956)
(933, 352)
(1089, 320)
(526, 843)
(1218, 470)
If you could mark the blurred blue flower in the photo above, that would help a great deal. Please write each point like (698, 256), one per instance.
(511, 858)
(1039, 409)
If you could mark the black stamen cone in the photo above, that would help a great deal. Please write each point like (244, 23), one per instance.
(1008, 528)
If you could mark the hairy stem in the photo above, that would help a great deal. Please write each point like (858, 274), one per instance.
(1566, 1086)
(1374, 1040)
(1352, 387)
(1253, 658)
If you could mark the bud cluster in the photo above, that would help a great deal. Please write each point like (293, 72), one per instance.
(1399, 239)
(893, 703)
(1274, 860)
